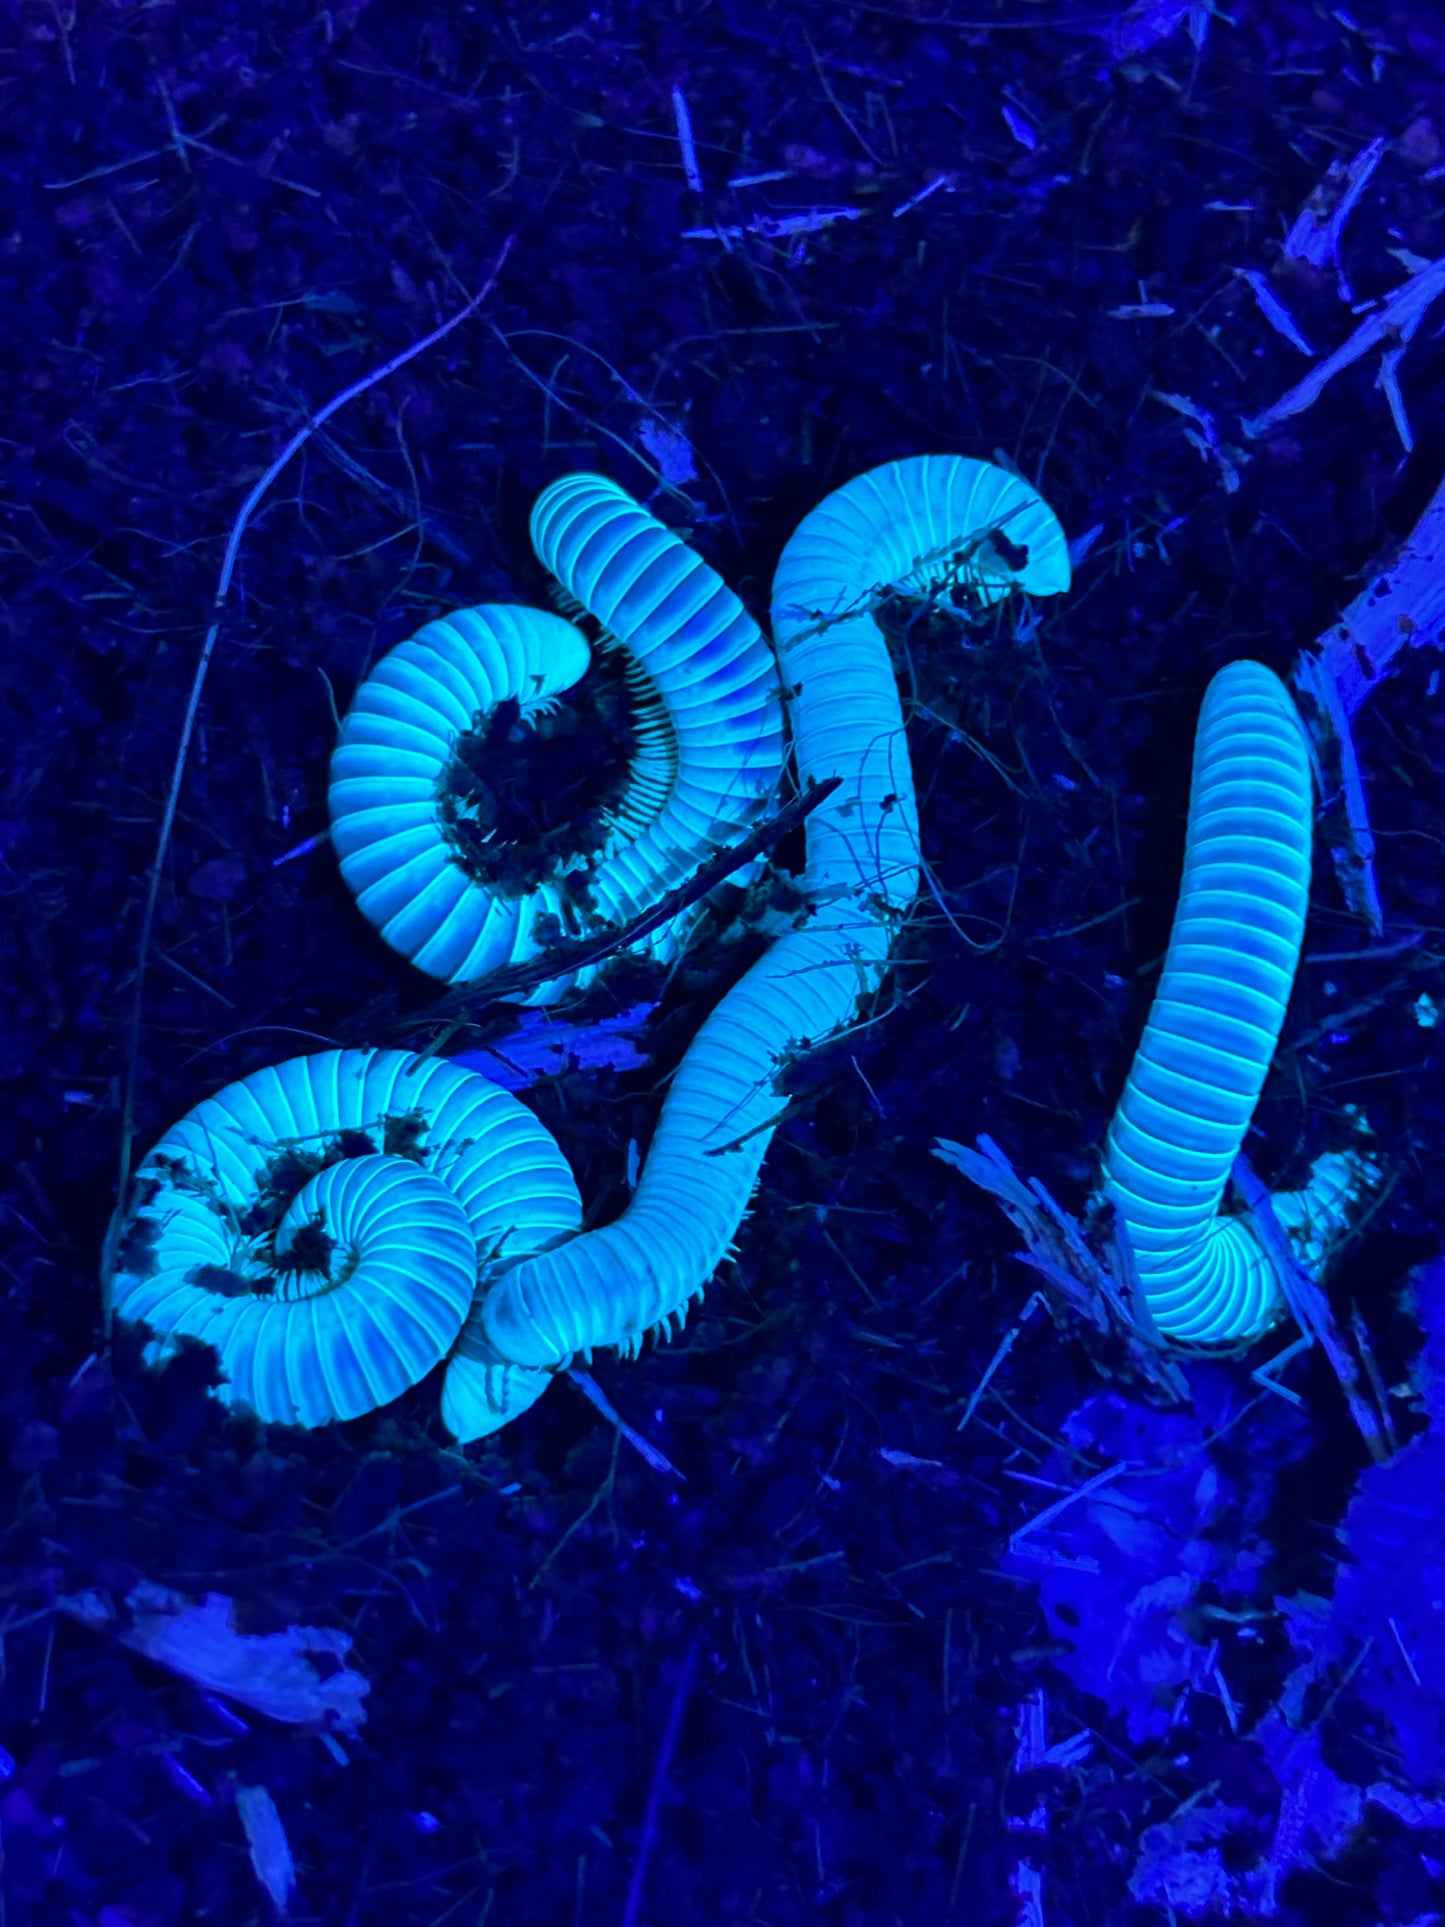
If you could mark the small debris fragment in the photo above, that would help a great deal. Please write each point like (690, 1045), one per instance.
(691, 171)
(1274, 311)
(773, 227)
(1320, 225)
(1390, 327)
(274, 1673)
(270, 1849)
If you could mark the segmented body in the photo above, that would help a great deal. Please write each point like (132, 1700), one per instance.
(930, 525)
(710, 750)
(328, 1223)
(901, 526)
(1215, 1021)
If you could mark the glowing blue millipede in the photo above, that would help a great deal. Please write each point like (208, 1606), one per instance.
(1214, 1024)
(928, 525)
(328, 1223)
(249, 1228)
(710, 727)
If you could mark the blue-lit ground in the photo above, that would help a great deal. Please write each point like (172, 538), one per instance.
(1018, 230)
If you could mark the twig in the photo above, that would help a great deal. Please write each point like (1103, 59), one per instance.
(692, 173)
(1051, 1512)
(1310, 1309)
(1390, 326)
(193, 704)
(1402, 605)
(1005, 1346)
(561, 960)
(1103, 1292)
(1343, 808)
(593, 1392)
(1320, 225)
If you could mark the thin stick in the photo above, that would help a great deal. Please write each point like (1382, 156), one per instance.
(1051, 1512)
(193, 704)
(590, 1389)
(653, 1815)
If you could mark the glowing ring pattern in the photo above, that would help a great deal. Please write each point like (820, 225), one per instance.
(328, 1224)
(710, 754)
(1215, 1020)
(905, 527)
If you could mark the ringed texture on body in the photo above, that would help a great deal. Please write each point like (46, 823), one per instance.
(250, 1227)
(709, 753)
(327, 1225)
(920, 526)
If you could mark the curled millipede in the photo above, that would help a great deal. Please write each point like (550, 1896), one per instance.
(919, 526)
(328, 1224)
(538, 1291)
(709, 726)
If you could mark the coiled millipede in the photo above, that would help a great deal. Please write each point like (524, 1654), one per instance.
(325, 1224)
(923, 524)
(247, 1228)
